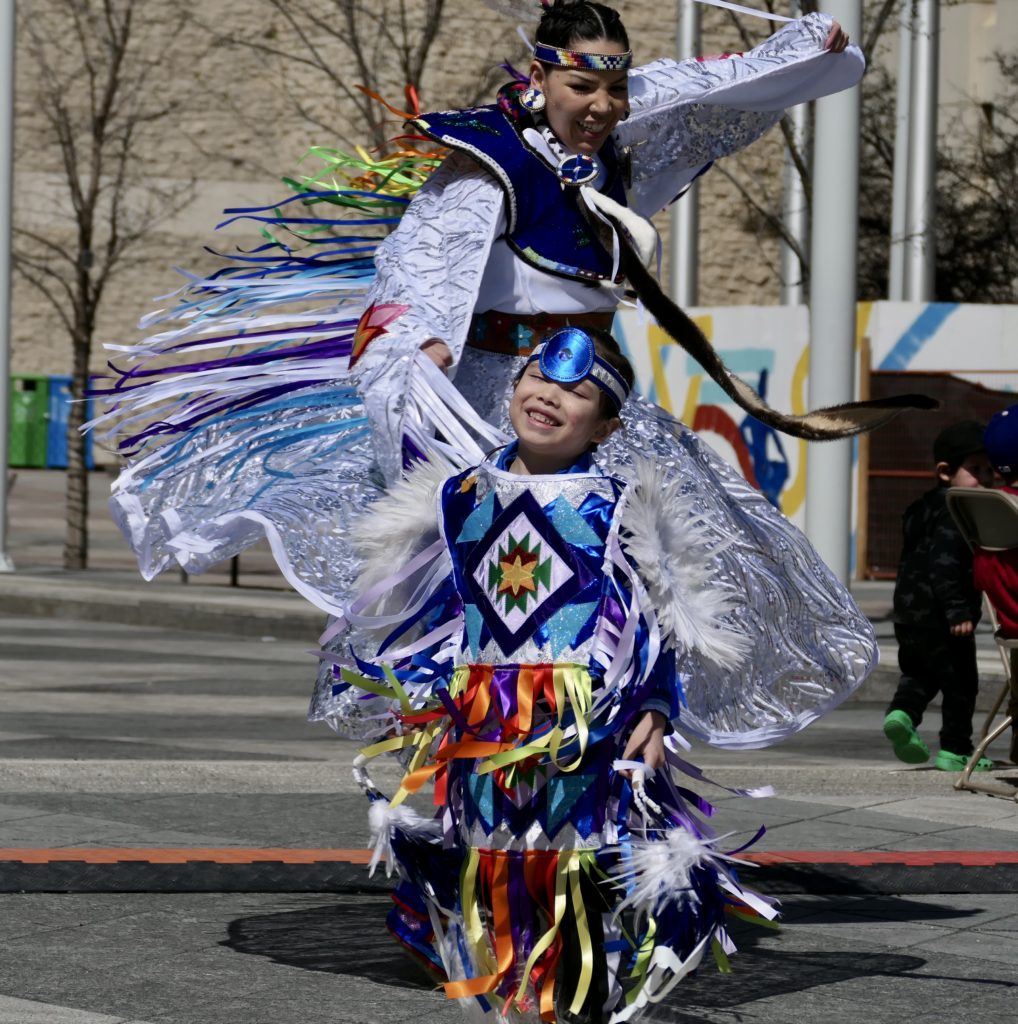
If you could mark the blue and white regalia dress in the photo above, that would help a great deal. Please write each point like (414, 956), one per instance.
(514, 651)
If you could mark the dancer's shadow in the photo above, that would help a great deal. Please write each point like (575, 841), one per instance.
(351, 938)
(346, 938)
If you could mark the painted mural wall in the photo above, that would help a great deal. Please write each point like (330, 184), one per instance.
(769, 347)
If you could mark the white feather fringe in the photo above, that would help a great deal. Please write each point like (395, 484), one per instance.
(673, 554)
(399, 527)
(383, 819)
(658, 871)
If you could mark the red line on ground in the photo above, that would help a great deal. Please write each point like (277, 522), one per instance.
(872, 858)
(183, 855)
(287, 855)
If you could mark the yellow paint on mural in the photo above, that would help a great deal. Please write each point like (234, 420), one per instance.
(863, 312)
(793, 496)
(692, 399)
(657, 339)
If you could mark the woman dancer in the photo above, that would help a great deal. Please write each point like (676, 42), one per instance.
(515, 232)
(533, 649)
(244, 436)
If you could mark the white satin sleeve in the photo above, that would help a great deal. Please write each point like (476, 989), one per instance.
(434, 261)
(684, 114)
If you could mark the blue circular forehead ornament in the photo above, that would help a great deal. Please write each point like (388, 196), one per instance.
(568, 356)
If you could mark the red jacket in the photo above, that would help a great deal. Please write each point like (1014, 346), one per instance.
(996, 574)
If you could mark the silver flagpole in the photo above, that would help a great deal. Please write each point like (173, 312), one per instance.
(795, 210)
(899, 196)
(920, 232)
(832, 305)
(685, 212)
(7, 48)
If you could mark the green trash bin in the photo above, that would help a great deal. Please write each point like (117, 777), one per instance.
(29, 421)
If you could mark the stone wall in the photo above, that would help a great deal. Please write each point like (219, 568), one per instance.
(236, 129)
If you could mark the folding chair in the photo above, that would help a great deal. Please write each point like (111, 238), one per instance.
(989, 519)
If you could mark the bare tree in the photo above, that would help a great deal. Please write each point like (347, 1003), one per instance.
(977, 200)
(977, 194)
(763, 198)
(343, 44)
(332, 59)
(977, 182)
(96, 98)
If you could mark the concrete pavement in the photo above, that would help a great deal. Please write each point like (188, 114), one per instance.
(118, 733)
(121, 736)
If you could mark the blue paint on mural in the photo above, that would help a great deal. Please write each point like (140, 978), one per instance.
(743, 361)
(924, 327)
(771, 474)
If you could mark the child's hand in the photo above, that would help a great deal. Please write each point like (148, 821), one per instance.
(647, 742)
(962, 628)
(438, 352)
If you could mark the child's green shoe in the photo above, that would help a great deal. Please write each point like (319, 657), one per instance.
(948, 762)
(908, 744)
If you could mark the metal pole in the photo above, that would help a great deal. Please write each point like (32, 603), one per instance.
(832, 305)
(921, 239)
(685, 212)
(795, 209)
(7, 36)
(795, 213)
(899, 195)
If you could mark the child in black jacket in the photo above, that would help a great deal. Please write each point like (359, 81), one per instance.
(936, 608)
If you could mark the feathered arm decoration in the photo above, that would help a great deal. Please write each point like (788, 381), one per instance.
(400, 526)
(672, 551)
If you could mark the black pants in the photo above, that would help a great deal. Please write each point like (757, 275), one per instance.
(932, 662)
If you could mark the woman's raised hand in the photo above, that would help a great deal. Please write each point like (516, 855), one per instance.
(837, 39)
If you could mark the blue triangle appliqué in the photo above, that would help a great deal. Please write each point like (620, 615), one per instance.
(477, 523)
(571, 525)
(474, 624)
(566, 623)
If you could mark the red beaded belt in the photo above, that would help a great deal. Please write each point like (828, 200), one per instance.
(515, 334)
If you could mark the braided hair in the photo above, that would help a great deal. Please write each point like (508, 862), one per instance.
(567, 22)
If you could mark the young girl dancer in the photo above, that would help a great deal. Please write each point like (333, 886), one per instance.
(541, 638)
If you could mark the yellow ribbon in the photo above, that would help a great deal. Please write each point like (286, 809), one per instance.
(544, 943)
(643, 956)
(384, 746)
(576, 858)
(720, 957)
(473, 928)
(417, 773)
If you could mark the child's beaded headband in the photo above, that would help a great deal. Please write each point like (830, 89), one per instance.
(583, 61)
(568, 356)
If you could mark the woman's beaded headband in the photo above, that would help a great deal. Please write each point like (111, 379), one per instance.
(583, 61)
(568, 355)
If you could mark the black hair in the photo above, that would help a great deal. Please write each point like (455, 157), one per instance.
(568, 22)
(956, 442)
(608, 349)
